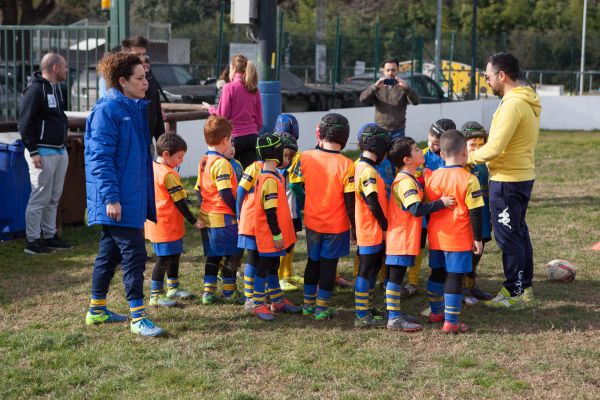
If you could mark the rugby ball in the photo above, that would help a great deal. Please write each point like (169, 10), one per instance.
(561, 271)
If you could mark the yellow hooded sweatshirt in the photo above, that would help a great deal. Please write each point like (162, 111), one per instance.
(509, 151)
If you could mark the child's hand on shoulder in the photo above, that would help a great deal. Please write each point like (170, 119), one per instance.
(477, 247)
(278, 244)
(448, 201)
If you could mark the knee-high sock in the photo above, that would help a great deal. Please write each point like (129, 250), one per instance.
(286, 265)
(361, 297)
(453, 297)
(392, 290)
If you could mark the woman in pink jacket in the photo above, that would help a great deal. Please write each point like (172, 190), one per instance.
(240, 103)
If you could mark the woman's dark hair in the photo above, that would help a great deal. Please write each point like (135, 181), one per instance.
(506, 63)
(117, 65)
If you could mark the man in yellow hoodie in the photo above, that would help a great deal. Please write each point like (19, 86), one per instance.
(509, 154)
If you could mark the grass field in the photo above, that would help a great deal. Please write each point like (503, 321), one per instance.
(549, 351)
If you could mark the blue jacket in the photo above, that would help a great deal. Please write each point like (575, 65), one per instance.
(118, 164)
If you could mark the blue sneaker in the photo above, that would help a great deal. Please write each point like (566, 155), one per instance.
(145, 327)
(104, 317)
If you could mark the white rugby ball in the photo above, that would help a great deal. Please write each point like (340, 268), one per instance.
(561, 271)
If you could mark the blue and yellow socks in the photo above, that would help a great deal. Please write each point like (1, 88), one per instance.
(258, 296)
(452, 307)
(228, 286)
(435, 294)
(210, 284)
(361, 297)
(249, 275)
(274, 289)
(392, 300)
(310, 294)
(323, 297)
(172, 283)
(97, 306)
(137, 309)
(156, 288)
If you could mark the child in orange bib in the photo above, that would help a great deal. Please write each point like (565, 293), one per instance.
(167, 233)
(454, 233)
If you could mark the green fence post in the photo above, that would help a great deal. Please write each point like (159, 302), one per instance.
(450, 83)
(220, 45)
(279, 44)
(336, 59)
(377, 45)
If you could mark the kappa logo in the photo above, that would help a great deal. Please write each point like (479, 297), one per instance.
(504, 218)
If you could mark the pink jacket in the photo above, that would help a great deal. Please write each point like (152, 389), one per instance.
(242, 108)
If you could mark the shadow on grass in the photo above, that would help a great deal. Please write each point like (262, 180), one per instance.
(563, 202)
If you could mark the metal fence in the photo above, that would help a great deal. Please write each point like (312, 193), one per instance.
(22, 48)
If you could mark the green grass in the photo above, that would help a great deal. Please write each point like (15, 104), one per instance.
(548, 351)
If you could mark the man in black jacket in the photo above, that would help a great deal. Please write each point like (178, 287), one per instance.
(138, 45)
(43, 127)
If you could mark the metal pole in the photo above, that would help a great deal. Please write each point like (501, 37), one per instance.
(267, 39)
(438, 42)
(582, 47)
(474, 50)
(450, 82)
(220, 45)
(377, 44)
(279, 44)
(320, 46)
(336, 60)
(412, 55)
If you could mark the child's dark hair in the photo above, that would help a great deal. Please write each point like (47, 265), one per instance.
(440, 126)
(171, 143)
(400, 148)
(216, 129)
(452, 143)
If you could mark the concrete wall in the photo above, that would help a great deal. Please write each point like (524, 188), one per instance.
(565, 112)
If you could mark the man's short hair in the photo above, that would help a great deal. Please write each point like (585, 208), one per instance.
(506, 63)
(400, 148)
(452, 143)
(134, 41)
(50, 60)
(391, 61)
(216, 129)
(171, 143)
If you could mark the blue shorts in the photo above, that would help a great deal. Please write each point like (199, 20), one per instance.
(219, 242)
(458, 262)
(327, 245)
(403, 261)
(168, 248)
(247, 242)
(370, 249)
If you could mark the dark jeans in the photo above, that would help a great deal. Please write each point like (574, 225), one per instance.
(245, 149)
(125, 246)
(508, 206)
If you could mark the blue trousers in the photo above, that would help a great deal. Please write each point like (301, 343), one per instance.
(508, 206)
(125, 246)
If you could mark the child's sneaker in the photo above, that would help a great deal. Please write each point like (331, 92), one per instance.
(287, 286)
(436, 318)
(161, 301)
(176, 293)
(104, 317)
(505, 301)
(249, 305)
(403, 324)
(308, 309)
(235, 298)
(342, 283)
(454, 328)
(324, 315)
(408, 290)
(145, 327)
(468, 298)
(208, 299)
(368, 322)
(482, 295)
(528, 296)
(285, 306)
(263, 313)
(377, 313)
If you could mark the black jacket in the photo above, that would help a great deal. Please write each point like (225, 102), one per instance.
(155, 119)
(42, 119)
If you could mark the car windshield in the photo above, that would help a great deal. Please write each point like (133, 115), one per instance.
(171, 75)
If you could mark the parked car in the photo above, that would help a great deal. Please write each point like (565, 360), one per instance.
(179, 86)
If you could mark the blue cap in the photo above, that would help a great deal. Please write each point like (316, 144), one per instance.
(362, 129)
(287, 123)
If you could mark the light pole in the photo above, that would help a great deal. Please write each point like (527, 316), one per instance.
(582, 48)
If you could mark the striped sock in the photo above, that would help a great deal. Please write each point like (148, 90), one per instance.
(137, 309)
(97, 306)
(228, 286)
(435, 294)
(274, 290)
(323, 297)
(156, 288)
(258, 296)
(310, 294)
(361, 297)
(249, 274)
(392, 300)
(452, 307)
(210, 284)
(172, 283)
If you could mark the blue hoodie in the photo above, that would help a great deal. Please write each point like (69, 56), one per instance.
(118, 164)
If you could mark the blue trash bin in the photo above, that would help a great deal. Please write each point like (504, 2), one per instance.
(15, 190)
(270, 96)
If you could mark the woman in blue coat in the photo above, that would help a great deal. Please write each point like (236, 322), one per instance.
(120, 188)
